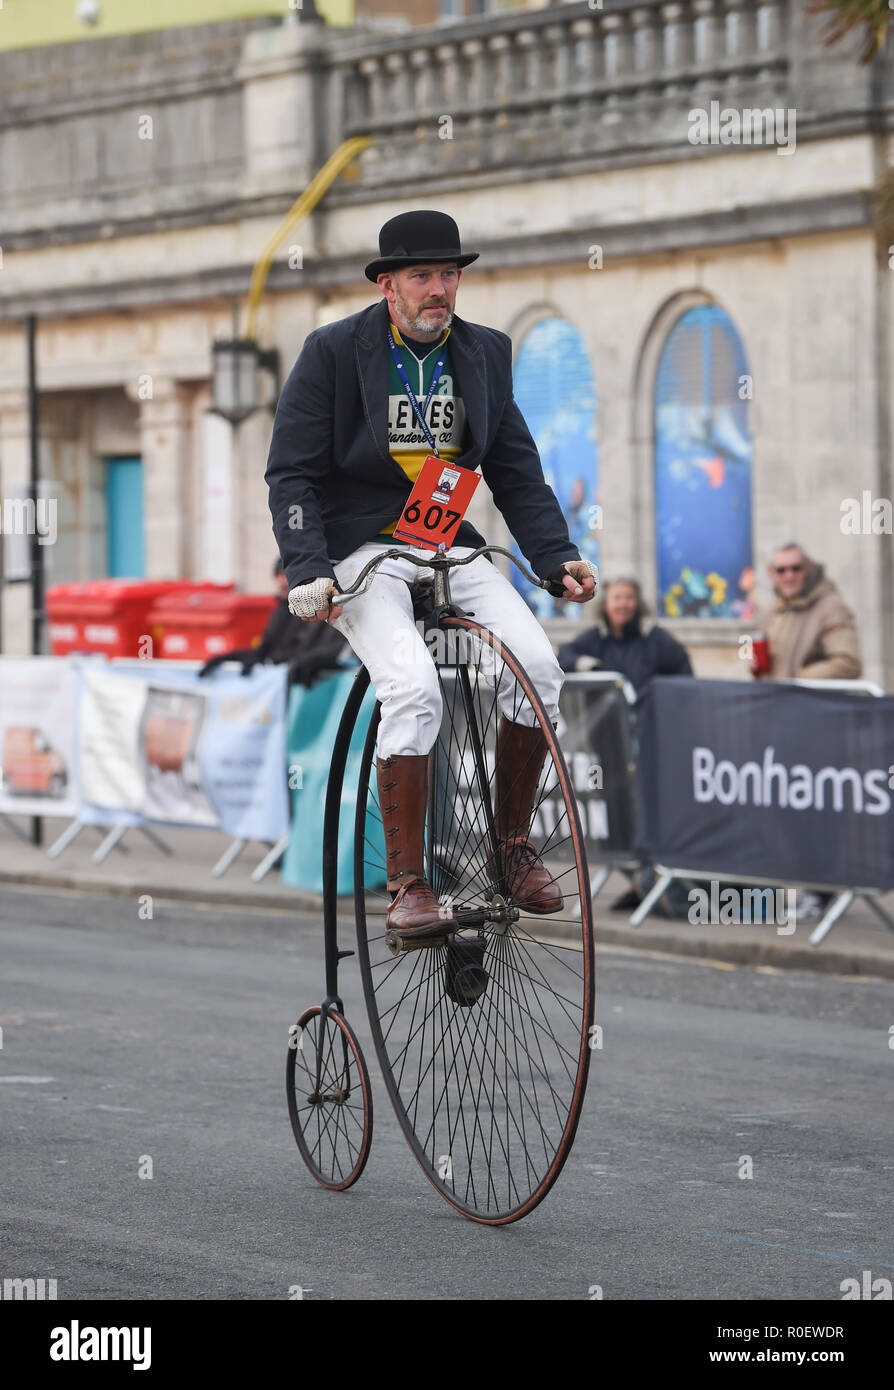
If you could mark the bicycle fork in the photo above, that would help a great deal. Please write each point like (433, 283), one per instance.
(330, 890)
(443, 607)
(342, 1088)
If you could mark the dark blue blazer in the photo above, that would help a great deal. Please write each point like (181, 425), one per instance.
(333, 483)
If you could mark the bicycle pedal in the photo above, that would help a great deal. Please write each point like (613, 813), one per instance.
(397, 944)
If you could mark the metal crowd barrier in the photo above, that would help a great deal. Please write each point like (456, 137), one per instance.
(843, 896)
(604, 862)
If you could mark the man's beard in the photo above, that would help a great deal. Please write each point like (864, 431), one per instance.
(419, 327)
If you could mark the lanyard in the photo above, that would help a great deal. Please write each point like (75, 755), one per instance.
(402, 373)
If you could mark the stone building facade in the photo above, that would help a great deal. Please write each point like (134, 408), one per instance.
(561, 140)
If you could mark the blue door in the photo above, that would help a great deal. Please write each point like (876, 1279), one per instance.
(124, 518)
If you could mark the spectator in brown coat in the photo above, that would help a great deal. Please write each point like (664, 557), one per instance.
(811, 632)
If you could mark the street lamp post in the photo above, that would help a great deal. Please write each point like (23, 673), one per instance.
(37, 575)
(238, 366)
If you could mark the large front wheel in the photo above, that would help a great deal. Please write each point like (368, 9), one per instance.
(483, 1039)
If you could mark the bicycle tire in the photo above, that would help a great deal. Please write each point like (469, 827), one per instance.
(337, 1153)
(556, 1136)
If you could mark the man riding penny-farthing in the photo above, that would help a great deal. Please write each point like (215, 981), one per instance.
(477, 956)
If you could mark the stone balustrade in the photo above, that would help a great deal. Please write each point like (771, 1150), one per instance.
(535, 59)
(554, 83)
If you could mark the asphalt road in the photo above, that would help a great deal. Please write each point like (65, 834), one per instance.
(126, 1039)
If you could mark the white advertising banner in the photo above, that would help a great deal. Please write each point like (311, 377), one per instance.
(158, 744)
(37, 736)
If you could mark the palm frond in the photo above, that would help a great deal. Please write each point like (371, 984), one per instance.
(844, 17)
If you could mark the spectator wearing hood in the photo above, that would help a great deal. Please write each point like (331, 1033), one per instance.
(620, 641)
(309, 650)
(811, 632)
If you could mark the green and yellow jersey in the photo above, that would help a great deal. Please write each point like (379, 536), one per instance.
(446, 417)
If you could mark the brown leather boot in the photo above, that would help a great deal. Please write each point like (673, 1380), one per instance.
(403, 793)
(521, 753)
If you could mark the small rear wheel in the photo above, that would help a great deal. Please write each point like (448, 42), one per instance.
(332, 1121)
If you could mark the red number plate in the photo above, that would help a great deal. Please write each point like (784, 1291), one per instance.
(437, 504)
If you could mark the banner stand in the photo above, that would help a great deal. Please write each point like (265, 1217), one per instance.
(229, 856)
(114, 837)
(627, 866)
(233, 850)
(118, 832)
(71, 832)
(842, 903)
(843, 897)
(585, 729)
(598, 881)
(601, 872)
(271, 860)
(11, 825)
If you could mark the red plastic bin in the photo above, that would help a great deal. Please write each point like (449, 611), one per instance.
(113, 616)
(195, 626)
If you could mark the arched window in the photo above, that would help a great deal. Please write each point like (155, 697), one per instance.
(703, 453)
(555, 392)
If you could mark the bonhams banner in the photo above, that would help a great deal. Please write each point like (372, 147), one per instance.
(158, 744)
(37, 735)
(772, 780)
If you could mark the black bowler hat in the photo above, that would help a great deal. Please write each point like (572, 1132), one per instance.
(414, 238)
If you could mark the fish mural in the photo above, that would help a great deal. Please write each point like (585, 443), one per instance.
(703, 462)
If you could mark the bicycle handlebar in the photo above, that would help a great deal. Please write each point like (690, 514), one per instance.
(443, 562)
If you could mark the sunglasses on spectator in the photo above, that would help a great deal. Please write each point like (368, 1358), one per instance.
(786, 569)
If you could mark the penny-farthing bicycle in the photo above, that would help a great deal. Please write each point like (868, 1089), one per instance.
(483, 1037)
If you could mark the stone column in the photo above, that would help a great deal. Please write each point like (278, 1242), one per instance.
(648, 44)
(284, 107)
(678, 42)
(254, 545)
(475, 84)
(423, 74)
(165, 429)
(710, 45)
(373, 72)
(449, 73)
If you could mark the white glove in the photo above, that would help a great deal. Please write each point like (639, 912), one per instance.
(579, 570)
(574, 568)
(306, 600)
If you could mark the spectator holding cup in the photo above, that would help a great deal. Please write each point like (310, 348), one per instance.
(809, 632)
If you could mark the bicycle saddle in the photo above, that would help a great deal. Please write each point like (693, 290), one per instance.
(423, 595)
